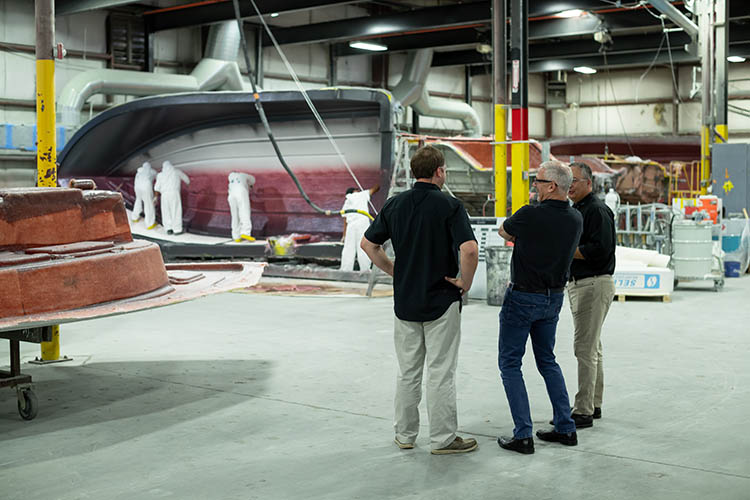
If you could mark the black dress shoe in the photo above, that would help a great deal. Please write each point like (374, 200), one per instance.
(568, 439)
(525, 446)
(597, 413)
(582, 421)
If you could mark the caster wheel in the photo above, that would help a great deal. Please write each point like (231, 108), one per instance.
(30, 406)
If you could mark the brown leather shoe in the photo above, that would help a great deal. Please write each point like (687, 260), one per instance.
(458, 445)
(403, 446)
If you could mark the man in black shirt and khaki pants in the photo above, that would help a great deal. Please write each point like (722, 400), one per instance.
(591, 290)
(427, 229)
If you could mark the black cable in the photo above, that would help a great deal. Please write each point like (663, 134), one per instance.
(267, 126)
(617, 106)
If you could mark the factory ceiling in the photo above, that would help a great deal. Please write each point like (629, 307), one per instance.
(460, 31)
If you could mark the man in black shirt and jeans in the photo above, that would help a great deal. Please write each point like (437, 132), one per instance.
(591, 290)
(545, 238)
(427, 229)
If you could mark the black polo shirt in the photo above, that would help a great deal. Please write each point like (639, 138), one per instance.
(426, 228)
(598, 240)
(546, 238)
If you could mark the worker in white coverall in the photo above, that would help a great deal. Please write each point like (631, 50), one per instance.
(168, 183)
(144, 195)
(355, 226)
(238, 196)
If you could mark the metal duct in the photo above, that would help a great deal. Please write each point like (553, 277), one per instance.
(217, 71)
(412, 91)
(409, 89)
(223, 41)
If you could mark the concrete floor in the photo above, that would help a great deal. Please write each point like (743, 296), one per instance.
(248, 396)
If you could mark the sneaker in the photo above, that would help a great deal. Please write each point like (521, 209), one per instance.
(403, 446)
(458, 445)
(597, 413)
(568, 439)
(247, 237)
(525, 446)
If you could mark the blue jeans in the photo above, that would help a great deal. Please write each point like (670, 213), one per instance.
(535, 314)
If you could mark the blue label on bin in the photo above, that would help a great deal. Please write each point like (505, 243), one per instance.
(652, 281)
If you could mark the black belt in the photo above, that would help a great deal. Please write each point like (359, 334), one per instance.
(545, 291)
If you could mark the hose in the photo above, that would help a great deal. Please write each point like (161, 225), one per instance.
(269, 132)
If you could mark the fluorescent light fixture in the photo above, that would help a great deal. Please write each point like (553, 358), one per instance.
(368, 46)
(736, 59)
(274, 14)
(585, 70)
(570, 13)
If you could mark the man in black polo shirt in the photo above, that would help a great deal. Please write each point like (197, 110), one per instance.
(427, 229)
(591, 290)
(545, 238)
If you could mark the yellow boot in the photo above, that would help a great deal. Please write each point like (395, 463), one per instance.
(247, 237)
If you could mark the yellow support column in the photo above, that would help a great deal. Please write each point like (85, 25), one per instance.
(723, 133)
(705, 159)
(46, 144)
(520, 175)
(46, 147)
(501, 163)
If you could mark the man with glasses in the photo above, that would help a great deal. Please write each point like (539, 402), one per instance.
(590, 292)
(427, 229)
(545, 238)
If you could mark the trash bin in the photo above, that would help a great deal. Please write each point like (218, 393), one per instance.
(498, 273)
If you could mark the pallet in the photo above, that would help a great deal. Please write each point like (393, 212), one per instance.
(653, 298)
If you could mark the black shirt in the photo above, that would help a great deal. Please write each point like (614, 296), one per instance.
(426, 228)
(546, 238)
(598, 240)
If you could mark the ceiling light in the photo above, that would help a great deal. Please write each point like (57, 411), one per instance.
(736, 59)
(585, 70)
(274, 14)
(483, 48)
(570, 13)
(368, 46)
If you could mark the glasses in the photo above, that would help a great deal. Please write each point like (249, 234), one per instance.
(542, 181)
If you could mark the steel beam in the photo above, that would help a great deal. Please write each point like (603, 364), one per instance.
(676, 16)
(499, 93)
(721, 48)
(519, 94)
(65, 7)
(480, 66)
(458, 36)
(222, 10)
(372, 27)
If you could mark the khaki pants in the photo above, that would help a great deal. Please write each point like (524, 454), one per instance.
(435, 342)
(590, 299)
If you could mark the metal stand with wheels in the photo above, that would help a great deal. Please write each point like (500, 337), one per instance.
(27, 402)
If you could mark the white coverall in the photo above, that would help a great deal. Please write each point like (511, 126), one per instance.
(356, 225)
(238, 196)
(168, 183)
(144, 194)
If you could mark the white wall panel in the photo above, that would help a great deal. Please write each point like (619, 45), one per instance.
(306, 60)
(353, 69)
(17, 18)
(85, 31)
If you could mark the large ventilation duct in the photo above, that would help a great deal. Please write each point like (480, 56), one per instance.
(218, 70)
(412, 91)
